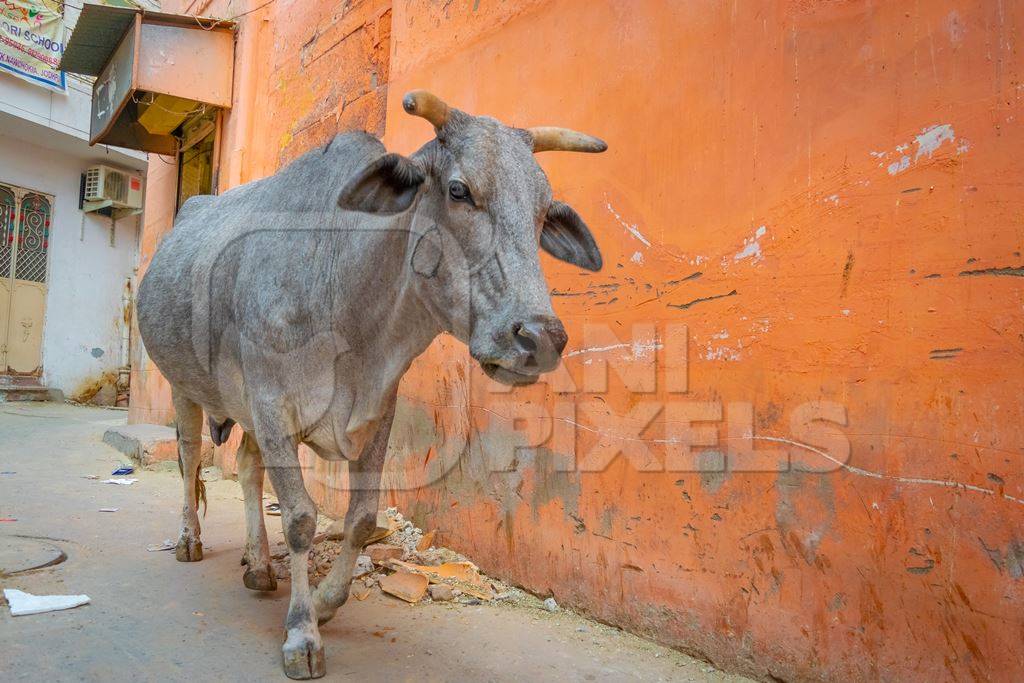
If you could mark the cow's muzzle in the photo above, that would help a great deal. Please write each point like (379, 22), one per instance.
(537, 347)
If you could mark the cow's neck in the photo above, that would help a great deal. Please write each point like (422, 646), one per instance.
(393, 326)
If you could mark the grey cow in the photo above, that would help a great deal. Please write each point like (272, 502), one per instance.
(293, 305)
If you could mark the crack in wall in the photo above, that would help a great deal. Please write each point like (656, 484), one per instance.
(701, 300)
(853, 469)
(1007, 271)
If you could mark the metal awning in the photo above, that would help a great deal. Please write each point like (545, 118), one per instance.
(97, 33)
(101, 27)
(155, 73)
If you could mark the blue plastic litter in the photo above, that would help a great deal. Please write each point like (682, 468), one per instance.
(123, 469)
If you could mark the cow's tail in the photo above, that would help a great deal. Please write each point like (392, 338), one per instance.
(200, 484)
(201, 491)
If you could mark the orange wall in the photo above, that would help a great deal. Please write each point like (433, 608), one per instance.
(762, 146)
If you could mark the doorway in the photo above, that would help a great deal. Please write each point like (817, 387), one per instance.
(25, 218)
(196, 157)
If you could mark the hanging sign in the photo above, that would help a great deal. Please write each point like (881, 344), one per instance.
(32, 41)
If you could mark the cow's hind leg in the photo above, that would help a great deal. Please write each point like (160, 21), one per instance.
(360, 521)
(303, 650)
(259, 575)
(190, 446)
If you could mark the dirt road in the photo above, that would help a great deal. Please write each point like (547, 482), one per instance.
(152, 618)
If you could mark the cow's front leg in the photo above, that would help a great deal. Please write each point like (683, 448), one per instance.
(360, 520)
(303, 650)
(190, 444)
(259, 575)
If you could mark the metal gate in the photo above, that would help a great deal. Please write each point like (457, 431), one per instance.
(25, 218)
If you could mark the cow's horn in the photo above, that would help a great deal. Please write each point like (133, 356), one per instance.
(428, 106)
(549, 139)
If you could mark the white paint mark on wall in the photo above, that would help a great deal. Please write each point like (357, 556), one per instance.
(899, 166)
(631, 228)
(721, 353)
(751, 247)
(638, 349)
(955, 28)
(832, 199)
(927, 143)
(930, 139)
(643, 349)
(717, 348)
(594, 349)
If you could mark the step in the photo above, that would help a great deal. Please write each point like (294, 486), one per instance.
(148, 444)
(19, 381)
(11, 393)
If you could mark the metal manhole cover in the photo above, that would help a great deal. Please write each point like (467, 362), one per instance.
(20, 554)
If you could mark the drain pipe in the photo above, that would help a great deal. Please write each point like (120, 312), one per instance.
(124, 371)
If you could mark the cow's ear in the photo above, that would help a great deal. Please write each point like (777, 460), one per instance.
(566, 237)
(385, 186)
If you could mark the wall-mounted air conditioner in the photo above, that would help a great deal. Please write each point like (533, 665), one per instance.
(113, 188)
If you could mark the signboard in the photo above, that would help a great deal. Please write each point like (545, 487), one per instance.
(114, 85)
(32, 41)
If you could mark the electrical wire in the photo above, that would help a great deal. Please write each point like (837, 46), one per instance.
(215, 22)
(151, 102)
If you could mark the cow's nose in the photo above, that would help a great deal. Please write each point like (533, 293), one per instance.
(541, 340)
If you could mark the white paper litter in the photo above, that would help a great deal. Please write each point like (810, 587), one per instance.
(121, 482)
(168, 544)
(22, 603)
(109, 509)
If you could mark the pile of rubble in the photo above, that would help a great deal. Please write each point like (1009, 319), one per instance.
(401, 560)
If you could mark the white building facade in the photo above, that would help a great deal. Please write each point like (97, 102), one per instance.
(67, 276)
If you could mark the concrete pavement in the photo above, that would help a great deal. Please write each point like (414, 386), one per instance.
(152, 618)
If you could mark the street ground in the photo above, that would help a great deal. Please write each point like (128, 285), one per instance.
(152, 618)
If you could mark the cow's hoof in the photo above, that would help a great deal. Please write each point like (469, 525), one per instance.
(304, 660)
(189, 550)
(260, 579)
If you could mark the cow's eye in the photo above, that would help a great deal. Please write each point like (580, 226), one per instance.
(458, 191)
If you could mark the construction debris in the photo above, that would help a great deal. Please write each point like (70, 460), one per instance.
(380, 553)
(440, 592)
(463, 575)
(401, 560)
(359, 590)
(426, 542)
(385, 527)
(405, 585)
(364, 565)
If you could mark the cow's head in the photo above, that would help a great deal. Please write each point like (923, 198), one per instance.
(482, 206)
